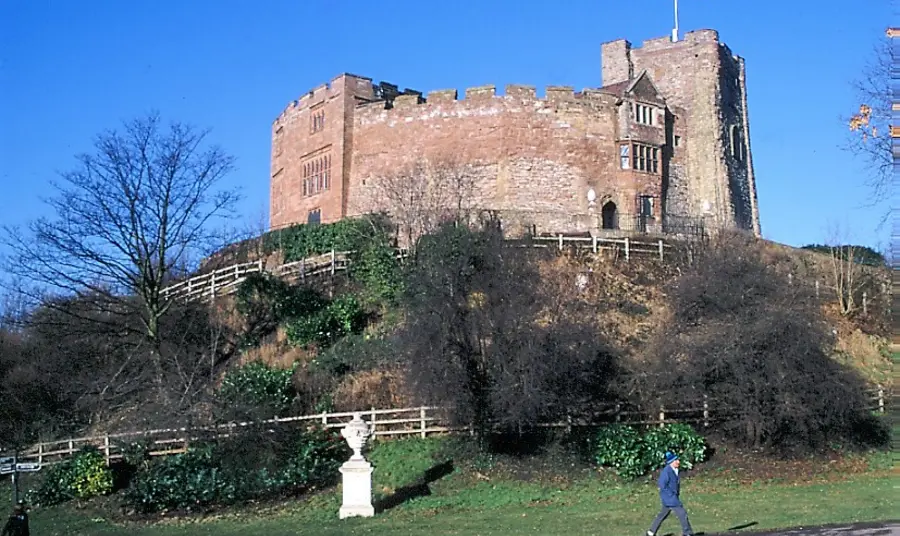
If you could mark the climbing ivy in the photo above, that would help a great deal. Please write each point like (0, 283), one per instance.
(307, 240)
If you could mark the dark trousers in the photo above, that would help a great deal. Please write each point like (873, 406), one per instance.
(682, 516)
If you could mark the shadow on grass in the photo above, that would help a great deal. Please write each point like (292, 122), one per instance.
(418, 489)
(744, 526)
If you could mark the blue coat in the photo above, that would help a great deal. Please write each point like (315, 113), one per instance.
(669, 487)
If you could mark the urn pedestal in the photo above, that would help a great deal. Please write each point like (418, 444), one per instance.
(356, 472)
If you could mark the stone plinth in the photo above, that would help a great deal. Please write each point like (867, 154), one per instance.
(357, 486)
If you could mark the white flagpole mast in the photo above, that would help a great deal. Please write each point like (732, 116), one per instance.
(675, 30)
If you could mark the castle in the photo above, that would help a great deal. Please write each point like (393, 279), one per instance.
(663, 142)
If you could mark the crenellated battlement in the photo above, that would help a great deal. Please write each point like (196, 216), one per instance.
(696, 36)
(487, 95)
(358, 85)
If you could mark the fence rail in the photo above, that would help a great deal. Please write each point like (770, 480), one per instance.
(386, 423)
(224, 281)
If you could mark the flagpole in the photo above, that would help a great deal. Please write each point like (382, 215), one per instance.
(675, 30)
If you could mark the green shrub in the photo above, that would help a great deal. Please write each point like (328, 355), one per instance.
(354, 353)
(621, 447)
(264, 294)
(83, 476)
(341, 317)
(258, 385)
(376, 268)
(264, 301)
(350, 234)
(243, 468)
(632, 455)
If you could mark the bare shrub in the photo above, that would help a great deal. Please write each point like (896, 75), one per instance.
(481, 337)
(379, 389)
(759, 347)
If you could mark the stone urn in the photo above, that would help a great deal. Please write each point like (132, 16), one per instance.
(357, 472)
(356, 432)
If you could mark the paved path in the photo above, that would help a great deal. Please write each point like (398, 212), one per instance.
(860, 529)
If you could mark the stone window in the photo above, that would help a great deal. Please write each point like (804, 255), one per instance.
(677, 141)
(624, 159)
(279, 137)
(317, 175)
(646, 158)
(317, 121)
(737, 143)
(645, 206)
(643, 114)
(314, 216)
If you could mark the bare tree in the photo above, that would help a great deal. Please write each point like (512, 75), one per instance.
(141, 204)
(425, 193)
(845, 271)
(484, 338)
(870, 127)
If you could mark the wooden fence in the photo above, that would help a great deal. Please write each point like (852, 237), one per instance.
(224, 281)
(386, 423)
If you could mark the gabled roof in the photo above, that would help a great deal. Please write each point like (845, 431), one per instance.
(628, 87)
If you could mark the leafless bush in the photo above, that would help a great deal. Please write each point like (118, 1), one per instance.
(479, 336)
(424, 194)
(758, 346)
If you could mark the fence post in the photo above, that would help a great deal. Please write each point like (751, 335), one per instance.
(212, 286)
(325, 418)
(259, 265)
(422, 419)
(618, 412)
(373, 421)
(865, 303)
(303, 269)
(661, 255)
(627, 249)
(880, 399)
(332, 261)
(560, 241)
(568, 422)
(594, 243)
(41, 453)
(662, 417)
(106, 448)
(71, 447)
(705, 411)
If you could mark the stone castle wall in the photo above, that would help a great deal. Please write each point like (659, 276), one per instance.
(531, 158)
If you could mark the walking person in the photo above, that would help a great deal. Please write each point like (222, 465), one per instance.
(17, 525)
(669, 490)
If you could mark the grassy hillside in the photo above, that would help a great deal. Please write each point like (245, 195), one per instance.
(634, 298)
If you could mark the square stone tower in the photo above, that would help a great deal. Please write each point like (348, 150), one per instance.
(700, 75)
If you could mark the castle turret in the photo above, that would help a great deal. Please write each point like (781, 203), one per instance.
(700, 75)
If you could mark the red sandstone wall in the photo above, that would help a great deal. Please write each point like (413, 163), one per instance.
(295, 143)
(533, 157)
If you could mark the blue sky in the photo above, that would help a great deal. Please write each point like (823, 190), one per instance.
(72, 68)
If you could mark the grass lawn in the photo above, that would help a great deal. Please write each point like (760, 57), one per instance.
(494, 499)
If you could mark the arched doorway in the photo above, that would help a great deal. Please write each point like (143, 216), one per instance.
(609, 216)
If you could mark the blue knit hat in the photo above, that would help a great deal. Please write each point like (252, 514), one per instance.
(670, 457)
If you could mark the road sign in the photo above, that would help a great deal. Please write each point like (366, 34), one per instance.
(6, 468)
(7, 460)
(28, 467)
